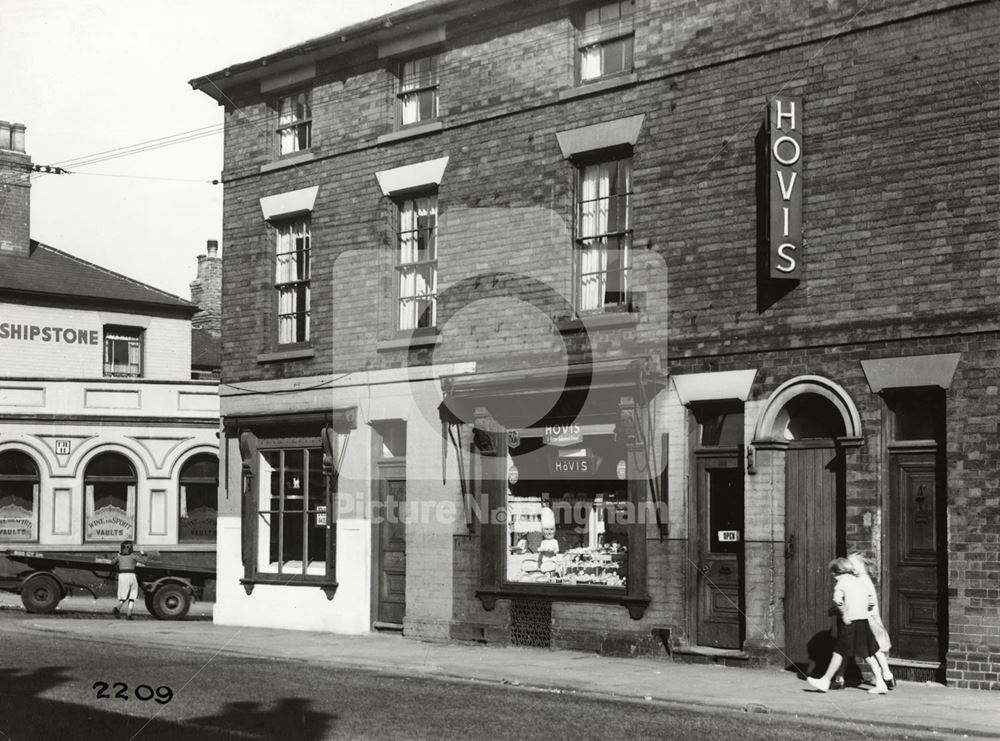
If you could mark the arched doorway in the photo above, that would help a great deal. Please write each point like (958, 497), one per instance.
(811, 420)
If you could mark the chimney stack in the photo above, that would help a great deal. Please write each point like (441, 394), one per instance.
(15, 191)
(206, 291)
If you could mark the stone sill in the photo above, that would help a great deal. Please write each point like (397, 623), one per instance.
(594, 322)
(405, 343)
(290, 161)
(277, 357)
(410, 132)
(602, 86)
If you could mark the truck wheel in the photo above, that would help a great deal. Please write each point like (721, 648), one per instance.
(171, 602)
(41, 594)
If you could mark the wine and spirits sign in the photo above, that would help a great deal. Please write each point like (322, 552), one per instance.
(784, 123)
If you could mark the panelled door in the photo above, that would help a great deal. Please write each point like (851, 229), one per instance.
(720, 551)
(916, 610)
(814, 535)
(390, 529)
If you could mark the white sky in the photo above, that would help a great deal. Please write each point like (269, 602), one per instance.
(87, 76)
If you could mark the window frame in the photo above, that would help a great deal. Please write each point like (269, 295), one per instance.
(431, 263)
(604, 35)
(420, 87)
(301, 331)
(182, 482)
(295, 123)
(135, 339)
(624, 232)
(131, 483)
(32, 479)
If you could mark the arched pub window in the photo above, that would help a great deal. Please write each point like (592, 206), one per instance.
(109, 486)
(19, 482)
(199, 507)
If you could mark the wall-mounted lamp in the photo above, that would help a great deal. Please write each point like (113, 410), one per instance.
(751, 460)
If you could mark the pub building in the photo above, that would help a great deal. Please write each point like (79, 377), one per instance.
(607, 325)
(105, 435)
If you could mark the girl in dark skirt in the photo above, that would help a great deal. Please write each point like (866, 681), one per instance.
(854, 600)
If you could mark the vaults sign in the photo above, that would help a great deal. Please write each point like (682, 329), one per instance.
(784, 123)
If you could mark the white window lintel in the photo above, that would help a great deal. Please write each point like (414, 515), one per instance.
(289, 203)
(418, 175)
(620, 132)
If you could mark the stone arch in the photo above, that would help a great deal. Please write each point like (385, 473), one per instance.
(771, 421)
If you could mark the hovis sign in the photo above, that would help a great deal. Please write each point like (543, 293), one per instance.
(784, 123)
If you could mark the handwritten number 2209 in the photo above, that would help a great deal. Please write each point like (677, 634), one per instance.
(143, 692)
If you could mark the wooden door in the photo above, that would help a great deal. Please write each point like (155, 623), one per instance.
(814, 535)
(390, 605)
(720, 557)
(915, 608)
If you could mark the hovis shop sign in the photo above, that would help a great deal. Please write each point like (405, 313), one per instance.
(784, 123)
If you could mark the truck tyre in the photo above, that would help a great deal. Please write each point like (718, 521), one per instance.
(171, 602)
(148, 599)
(41, 594)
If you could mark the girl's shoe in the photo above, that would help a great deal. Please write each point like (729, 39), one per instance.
(890, 682)
(837, 683)
(819, 684)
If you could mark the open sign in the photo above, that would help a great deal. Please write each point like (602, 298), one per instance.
(729, 536)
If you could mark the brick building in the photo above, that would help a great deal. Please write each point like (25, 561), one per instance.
(640, 312)
(105, 434)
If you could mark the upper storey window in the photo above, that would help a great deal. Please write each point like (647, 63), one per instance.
(604, 235)
(418, 90)
(294, 130)
(416, 262)
(122, 352)
(292, 280)
(606, 40)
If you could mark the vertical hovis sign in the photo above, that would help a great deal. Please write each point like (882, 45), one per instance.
(784, 121)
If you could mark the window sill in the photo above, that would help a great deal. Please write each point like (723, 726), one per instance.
(590, 323)
(290, 161)
(329, 586)
(601, 86)
(608, 595)
(406, 342)
(411, 131)
(282, 355)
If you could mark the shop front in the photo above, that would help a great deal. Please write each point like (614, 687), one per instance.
(566, 477)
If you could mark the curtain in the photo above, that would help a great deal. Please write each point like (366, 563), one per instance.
(595, 191)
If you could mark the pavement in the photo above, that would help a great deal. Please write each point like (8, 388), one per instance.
(912, 706)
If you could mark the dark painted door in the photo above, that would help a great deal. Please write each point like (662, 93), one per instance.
(916, 608)
(720, 561)
(391, 560)
(814, 535)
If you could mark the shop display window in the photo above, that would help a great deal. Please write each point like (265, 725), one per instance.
(292, 528)
(18, 497)
(567, 513)
(199, 491)
(109, 484)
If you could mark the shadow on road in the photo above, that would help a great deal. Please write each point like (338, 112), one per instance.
(25, 715)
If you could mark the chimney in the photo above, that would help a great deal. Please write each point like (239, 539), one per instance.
(206, 291)
(15, 191)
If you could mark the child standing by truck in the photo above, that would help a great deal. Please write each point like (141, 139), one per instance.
(128, 584)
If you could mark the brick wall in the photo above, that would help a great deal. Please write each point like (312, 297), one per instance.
(899, 216)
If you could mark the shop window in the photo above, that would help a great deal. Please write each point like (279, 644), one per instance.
(292, 279)
(109, 486)
(417, 93)
(19, 482)
(606, 41)
(416, 262)
(199, 492)
(294, 129)
(292, 511)
(568, 513)
(604, 235)
(122, 352)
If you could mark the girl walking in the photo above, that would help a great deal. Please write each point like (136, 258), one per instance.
(128, 585)
(855, 600)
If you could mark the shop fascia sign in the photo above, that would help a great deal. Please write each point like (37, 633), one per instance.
(562, 435)
(784, 123)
